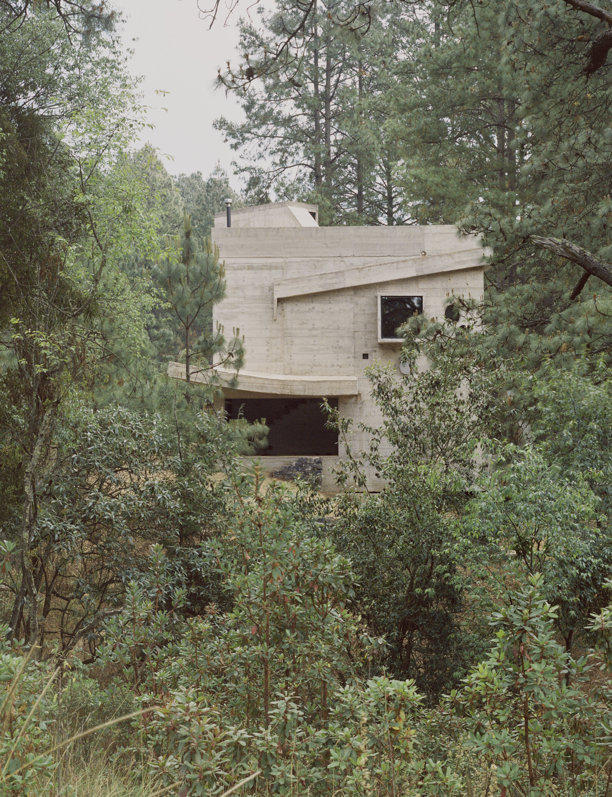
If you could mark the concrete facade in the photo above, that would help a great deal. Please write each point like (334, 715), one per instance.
(306, 300)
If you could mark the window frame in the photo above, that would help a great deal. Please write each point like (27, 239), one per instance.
(382, 296)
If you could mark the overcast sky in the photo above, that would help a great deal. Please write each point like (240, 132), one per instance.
(176, 53)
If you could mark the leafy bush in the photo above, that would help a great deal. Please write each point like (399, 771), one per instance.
(408, 581)
(27, 713)
(530, 518)
(535, 717)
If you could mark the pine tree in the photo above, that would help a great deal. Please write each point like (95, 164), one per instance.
(505, 136)
(192, 283)
(317, 120)
(203, 198)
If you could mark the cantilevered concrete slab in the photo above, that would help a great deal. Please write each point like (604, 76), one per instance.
(253, 384)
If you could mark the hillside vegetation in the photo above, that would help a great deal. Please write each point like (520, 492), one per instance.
(171, 624)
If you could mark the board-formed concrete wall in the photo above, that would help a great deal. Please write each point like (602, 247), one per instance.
(305, 298)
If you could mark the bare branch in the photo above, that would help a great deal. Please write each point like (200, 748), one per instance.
(77, 15)
(576, 254)
(589, 8)
(579, 286)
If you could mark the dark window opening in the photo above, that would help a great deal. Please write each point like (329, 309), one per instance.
(395, 311)
(452, 313)
(297, 426)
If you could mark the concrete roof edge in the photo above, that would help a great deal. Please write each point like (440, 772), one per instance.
(269, 206)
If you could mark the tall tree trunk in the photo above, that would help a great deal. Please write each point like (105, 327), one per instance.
(189, 316)
(389, 192)
(511, 155)
(360, 168)
(437, 15)
(501, 141)
(316, 93)
(187, 356)
(25, 607)
(327, 122)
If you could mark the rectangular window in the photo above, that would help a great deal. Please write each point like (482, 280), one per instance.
(393, 312)
(296, 425)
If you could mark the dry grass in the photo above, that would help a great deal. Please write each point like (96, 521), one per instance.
(96, 774)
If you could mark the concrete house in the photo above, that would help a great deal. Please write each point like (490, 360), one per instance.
(317, 306)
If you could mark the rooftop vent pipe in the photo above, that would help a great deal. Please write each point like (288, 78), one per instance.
(228, 211)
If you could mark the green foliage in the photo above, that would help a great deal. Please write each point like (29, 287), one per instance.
(248, 624)
(163, 202)
(27, 723)
(434, 417)
(120, 481)
(503, 135)
(518, 722)
(458, 117)
(203, 198)
(412, 585)
(400, 543)
(287, 621)
(318, 125)
(285, 632)
(571, 419)
(249, 438)
(530, 519)
(289, 630)
(63, 233)
(192, 283)
(377, 747)
(271, 687)
(532, 713)
(47, 723)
